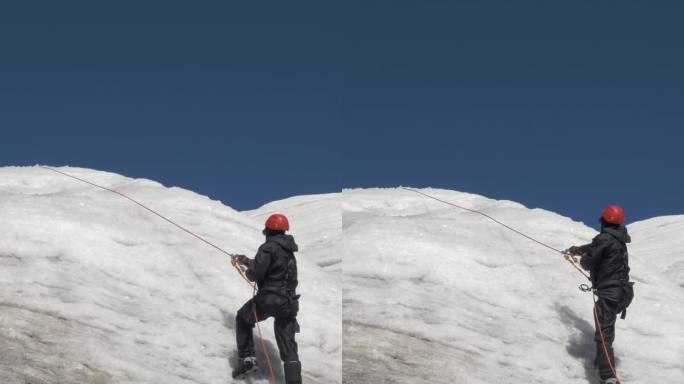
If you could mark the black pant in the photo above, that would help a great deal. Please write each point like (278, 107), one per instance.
(607, 311)
(283, 309)
(612, 299)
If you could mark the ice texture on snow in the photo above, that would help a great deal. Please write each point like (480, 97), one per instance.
(94, 289)
(434, 294)
(653, 243)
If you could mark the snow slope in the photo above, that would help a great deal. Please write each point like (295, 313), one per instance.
(94, 289)
(317, 220)
(653, 240)
(433, 294)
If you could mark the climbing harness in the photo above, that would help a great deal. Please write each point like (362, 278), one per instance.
(232, 256)
(567, 256)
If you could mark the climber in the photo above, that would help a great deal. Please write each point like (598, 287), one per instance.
(274, 270)
(607, 260)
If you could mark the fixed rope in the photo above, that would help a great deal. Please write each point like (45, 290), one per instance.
(256, 318)
(567, 257)
(141, 205)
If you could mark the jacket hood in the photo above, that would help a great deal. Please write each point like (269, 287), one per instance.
(285, 241)
(619, 233)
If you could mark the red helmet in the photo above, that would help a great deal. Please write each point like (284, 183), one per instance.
(613, 214)
(277, 222)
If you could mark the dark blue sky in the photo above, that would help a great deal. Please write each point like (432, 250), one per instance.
(567, 107)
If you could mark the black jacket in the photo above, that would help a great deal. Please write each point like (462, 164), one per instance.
(274, 267)
(606, 257)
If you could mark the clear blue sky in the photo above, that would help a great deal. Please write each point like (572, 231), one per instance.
(565, 106)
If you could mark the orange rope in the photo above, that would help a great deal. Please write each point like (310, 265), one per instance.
(263, 345)
(574, 264)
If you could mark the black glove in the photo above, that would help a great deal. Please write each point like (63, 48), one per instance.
(242, 259)
(574, 251)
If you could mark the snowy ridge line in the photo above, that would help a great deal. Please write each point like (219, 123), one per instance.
(567, 257)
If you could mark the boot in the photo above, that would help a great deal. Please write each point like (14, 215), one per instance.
(293, 372)
(247, 365)
(612, 380)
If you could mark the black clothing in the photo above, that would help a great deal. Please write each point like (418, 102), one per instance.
(274, 270)
(606, 257)
(271, 232)
(293, 371)
(267, 305)
(607, 260)
(246, 367)
(274, 267)
(607, 315)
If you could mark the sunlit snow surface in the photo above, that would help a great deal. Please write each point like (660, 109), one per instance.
(433, 294)
(661, 241)
(94, 289)
(317, 220)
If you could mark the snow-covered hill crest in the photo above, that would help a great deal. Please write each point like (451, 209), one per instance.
(434, 294)
(94, 289)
